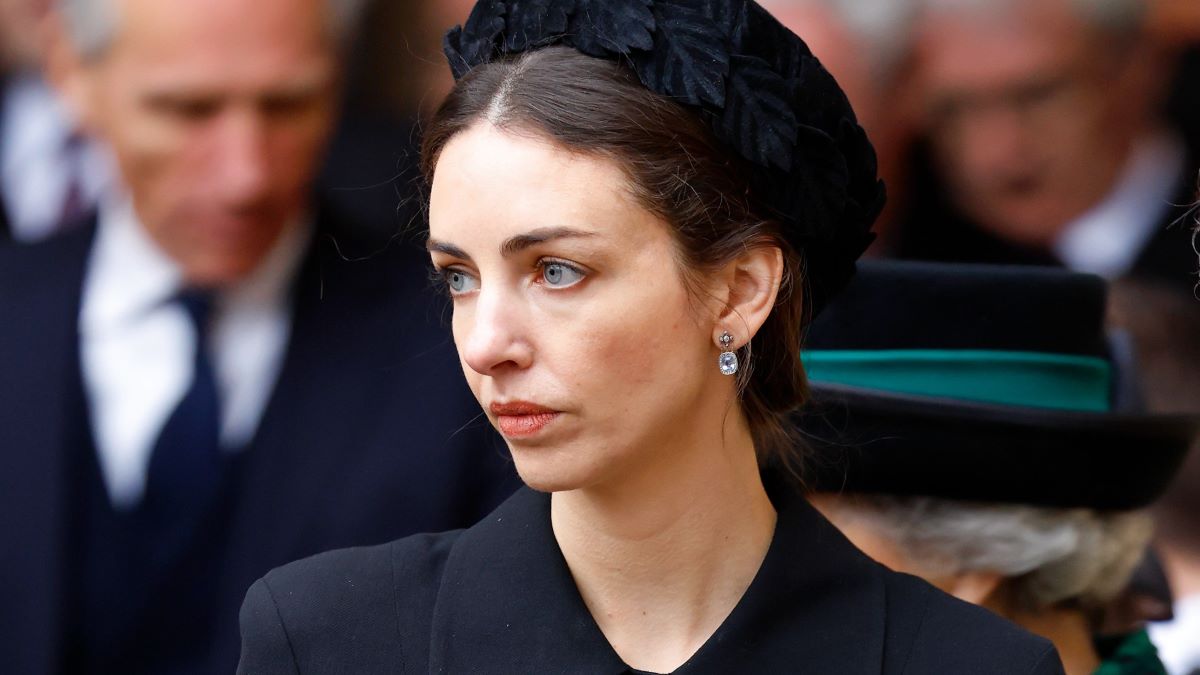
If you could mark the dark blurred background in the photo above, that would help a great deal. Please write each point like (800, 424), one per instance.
(1046, 132)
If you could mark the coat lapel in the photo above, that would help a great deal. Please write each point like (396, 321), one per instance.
(816, 603)
(41, 415)
(507, 603)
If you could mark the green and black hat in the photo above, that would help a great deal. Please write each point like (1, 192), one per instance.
(980, 382)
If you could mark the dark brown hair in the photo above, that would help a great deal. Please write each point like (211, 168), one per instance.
(677, 169)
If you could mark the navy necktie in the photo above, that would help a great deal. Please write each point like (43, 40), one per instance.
(185, 465)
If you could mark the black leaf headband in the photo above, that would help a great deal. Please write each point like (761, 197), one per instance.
(758, 86)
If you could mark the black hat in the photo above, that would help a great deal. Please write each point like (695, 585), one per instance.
(980, 382)
(756, 84)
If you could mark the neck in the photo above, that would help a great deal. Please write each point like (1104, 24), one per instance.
(663, 557)
(1069, 631)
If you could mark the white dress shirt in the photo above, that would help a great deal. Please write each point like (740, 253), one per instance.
(1108, 239)
(1178, 641)
(38, 163)
(137, 347)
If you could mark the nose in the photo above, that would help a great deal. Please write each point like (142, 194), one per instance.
(492, 335)
(996, 140)
(242, 172)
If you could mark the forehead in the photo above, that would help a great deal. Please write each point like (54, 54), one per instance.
(215, 42)
(983, 47)
(491, 183)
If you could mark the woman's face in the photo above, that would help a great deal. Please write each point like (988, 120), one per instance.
(573, 324)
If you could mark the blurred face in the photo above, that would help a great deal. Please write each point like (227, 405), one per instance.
(575, 329)
(1028, 111)
(217, 111)
(20, 32)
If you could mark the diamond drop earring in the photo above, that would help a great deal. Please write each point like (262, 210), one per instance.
(728, 360)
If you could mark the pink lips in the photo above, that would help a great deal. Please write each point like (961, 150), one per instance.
(520, 419)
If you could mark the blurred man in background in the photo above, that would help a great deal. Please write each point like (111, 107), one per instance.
(1163, 325)
(50, 172)
(198, 383)
(1046, 140)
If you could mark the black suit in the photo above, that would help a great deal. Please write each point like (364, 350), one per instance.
(370, 434)
(498, 598)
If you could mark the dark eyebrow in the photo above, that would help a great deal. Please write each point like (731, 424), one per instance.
(435, 246)
(512, 245)
(519, 243)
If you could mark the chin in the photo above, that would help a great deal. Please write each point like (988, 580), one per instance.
(553, 470)
(216, 271)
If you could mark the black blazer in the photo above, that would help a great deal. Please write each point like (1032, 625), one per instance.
(498, 598)
(370, 433)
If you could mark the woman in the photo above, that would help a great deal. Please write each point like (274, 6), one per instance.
(994, 452)
(630, 203)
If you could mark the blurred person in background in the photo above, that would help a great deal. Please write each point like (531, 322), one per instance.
(866, 44)
(1164, 326)
(1046, 140)
(199, 383)
(973, 428)
(50, 172)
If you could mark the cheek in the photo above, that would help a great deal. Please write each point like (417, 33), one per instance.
(295, 146)
(460, 327)
(638, 355)
(156, 162)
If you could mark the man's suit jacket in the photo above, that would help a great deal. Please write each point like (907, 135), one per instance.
(370, 433)
(499, 598)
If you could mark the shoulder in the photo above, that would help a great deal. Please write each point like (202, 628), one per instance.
(360, 610)
(64, 256)
(929, 631)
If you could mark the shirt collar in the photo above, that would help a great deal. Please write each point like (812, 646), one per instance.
(1108, 239)
(130, 276)
(815, 601)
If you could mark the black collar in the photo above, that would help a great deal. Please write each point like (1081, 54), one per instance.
(508, 603)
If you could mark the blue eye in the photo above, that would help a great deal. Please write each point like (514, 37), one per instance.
(561, 275)
(459, 281)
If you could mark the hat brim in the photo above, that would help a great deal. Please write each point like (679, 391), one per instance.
(870, 441)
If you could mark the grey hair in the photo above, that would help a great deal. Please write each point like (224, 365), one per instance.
(92, 24)
(1047, 556)
(1115, 17)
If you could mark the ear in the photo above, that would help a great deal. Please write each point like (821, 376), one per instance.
(977, 588)
(67, 71)
(750, 285)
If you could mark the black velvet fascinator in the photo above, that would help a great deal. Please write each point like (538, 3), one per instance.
(757, 85)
